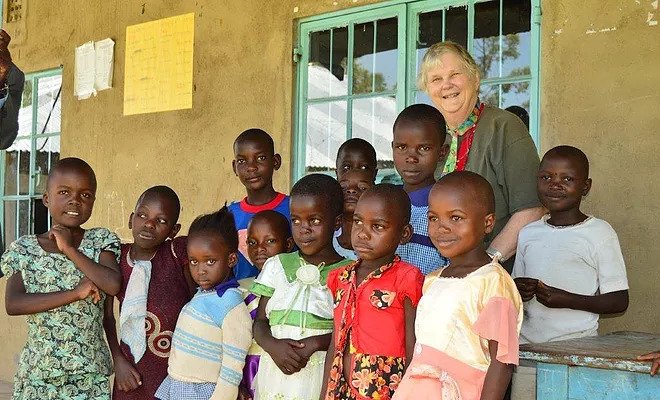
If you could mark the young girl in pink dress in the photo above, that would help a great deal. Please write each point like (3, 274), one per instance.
(469, 317)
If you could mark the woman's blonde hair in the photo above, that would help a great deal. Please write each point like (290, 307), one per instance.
(432, 58)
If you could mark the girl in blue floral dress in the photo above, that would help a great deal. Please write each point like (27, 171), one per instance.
(59, 280)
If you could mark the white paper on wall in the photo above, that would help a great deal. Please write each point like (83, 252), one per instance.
(85, 71)
(104, 50)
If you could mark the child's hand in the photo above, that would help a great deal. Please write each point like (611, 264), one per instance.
(62, 237)
(307, 349)
(243, 393)
(86, 288)
(552, 297)
(284, 355)
(126, 376)
(526, 287)
(655, 358)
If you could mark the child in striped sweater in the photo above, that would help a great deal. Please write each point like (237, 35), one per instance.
(213, 332)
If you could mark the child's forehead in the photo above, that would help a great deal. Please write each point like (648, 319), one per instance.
(159, 200)
(354, 155)
(71, 176)
(254, 144)
(419, 130)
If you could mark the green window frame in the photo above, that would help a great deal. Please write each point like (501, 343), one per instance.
(407, 13)
(24, 166)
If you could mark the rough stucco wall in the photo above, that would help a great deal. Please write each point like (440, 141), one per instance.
(600, 92)
(243, 76)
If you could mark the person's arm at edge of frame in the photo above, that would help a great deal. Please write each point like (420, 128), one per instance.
(498, 376)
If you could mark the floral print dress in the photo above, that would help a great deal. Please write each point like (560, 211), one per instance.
(65, 356)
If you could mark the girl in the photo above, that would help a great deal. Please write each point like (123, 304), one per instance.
(59, 279)
(294, 317)
(268, 234)
(156, 285)
(212, 335)
(375, 300)
(470, 313)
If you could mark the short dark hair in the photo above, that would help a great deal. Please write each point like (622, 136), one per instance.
(360, 146)
(520, 113)
(323, 186)
(220, 223)
(164, 192)
(475, 184)
(571, 152)
(394, 196)
(72, 164)
(278, 220)
(256, 135)
(426, 114)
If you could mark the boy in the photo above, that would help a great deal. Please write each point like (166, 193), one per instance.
(254, 162)
(418, 147)
(569, 267)
(375, 301)
(356, 172)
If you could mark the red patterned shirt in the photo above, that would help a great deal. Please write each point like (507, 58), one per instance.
(371, 314)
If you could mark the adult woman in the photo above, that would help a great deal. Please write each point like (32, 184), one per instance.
(487, 140)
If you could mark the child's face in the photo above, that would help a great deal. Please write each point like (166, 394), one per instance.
(417, 150)
(457, 221)
(254, 163)
(210, 259)
(153, 221)
(264, 240)
(70, 197)
(562, 183)
(354, 160)
(378, 228)
(353, 184)
(312, 223)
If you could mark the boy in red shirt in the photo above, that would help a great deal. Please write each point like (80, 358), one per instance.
(375, 299)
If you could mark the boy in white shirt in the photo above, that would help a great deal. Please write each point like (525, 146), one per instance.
(569, 268)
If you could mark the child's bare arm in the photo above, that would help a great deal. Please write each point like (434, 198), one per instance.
(608, 303)
(498, 376)
(409, 312)
(126, 376)
(329, 356)
(105, 274)
(282, 351)
(19, 302)
(655, 358)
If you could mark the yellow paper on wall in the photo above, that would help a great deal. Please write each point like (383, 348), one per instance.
(159, 65)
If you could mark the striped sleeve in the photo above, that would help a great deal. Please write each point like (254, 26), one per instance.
(236, 340)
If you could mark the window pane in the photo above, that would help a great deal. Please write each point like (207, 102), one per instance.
(490, 94)
(373, 119)
(25, 113)
(23, 217)
(48, 153)
(9, 226)
(40, 217)
(11, 173)
(517, 40)
(48, 89)
(326, 131)
(375, 67)
(430, 32)
(517, 94)
(456, 20)
(423, 98)
(326, 72)
(486, 49)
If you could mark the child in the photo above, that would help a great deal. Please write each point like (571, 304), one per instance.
(375, 301)
(356, 172)
(569, 267)
(470, 313)
(212, 334)
(59, 280)
(268, 235)
(156, 284)
(294, 318)
(418, 147)
(254, 162)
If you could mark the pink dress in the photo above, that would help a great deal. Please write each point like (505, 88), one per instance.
(456, 318)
